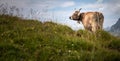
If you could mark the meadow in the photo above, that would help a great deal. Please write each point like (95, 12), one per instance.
(32, 40)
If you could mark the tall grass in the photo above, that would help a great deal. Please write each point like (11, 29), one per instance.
(31, 40)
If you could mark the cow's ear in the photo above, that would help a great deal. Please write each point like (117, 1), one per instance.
(79, 14)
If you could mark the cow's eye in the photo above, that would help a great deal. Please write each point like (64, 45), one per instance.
(75, 14)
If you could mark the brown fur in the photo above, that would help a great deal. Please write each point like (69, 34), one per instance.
(91, 21)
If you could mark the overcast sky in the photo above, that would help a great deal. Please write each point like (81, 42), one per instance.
(60, 10)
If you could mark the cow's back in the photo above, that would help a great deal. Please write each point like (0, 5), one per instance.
(93, 20)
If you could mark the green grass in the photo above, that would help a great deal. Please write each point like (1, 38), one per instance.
(31, 40)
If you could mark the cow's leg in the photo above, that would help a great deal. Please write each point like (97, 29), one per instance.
(85, 27)
(102, 23)
(89, 27)
(94, 27)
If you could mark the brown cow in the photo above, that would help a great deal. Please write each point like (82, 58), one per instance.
(91, 21)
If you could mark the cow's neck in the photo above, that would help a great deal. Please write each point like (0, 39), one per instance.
(81, 16)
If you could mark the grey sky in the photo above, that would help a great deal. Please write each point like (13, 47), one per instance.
(60, 10)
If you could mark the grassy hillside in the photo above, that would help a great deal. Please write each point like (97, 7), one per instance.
(31, 40)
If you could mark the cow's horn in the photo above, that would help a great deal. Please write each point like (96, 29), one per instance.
(80, 9)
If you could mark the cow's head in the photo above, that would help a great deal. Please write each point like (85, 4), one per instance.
(76, 15)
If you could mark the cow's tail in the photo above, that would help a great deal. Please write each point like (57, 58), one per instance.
(101, 19)
(97, 21)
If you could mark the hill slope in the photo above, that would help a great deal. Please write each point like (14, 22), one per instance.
(31, 40)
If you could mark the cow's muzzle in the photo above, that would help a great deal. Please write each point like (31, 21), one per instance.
(70, 18)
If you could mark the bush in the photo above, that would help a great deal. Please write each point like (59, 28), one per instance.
(114, 44)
